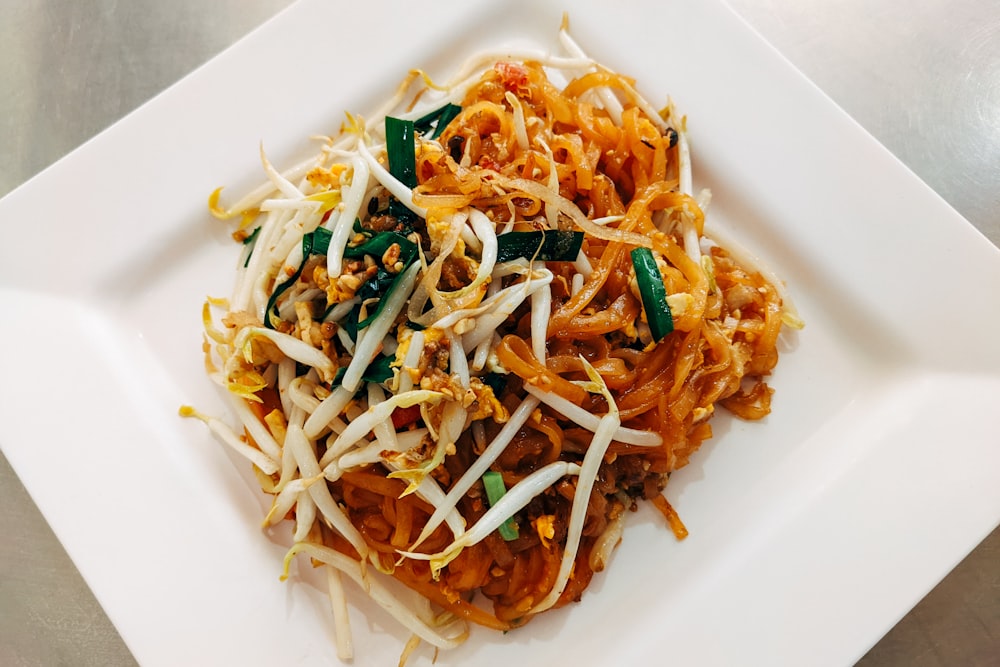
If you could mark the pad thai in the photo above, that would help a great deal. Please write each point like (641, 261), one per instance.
(478, 328)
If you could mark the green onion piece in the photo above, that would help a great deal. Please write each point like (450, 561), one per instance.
(653, 293)
(439, 119)
(399, 144)
(549, 246)
(495, 490)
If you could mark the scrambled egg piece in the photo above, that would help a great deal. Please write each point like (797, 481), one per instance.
(545, 527)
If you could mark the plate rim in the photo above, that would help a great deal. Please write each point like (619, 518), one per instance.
(32, 184)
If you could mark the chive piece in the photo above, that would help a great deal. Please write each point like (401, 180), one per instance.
(405, 218)
(495, 490)
(653, 293)
(439, 119)
(379, 370)
(321, 241)
(427, 121)
(549, 246)
(401, 149)
(271, 312)
(495, 381)
(252, 237)
(376, 286)
(383, 282)
(378, 244)
(447, 115)
(318, 243)
(252, 242)
(350, 322)
(382, 300)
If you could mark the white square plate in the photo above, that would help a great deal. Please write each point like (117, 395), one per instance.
(811, 532)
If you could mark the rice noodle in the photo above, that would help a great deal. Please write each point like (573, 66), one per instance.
(591, 423)
(515, 499)
(482, 464)
(464, 385)
(581, 499)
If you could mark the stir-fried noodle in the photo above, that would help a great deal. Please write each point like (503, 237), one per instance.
(477, 329)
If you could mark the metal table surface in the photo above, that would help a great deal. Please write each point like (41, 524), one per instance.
(923, 78)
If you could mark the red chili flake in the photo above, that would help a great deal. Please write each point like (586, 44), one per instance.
(514, 76)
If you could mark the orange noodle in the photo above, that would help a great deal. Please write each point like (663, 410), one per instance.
(467, 338)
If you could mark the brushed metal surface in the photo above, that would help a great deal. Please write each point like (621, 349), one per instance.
(67, 71)
(924, 80)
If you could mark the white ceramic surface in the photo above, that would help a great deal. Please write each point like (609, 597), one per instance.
(874, 472)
